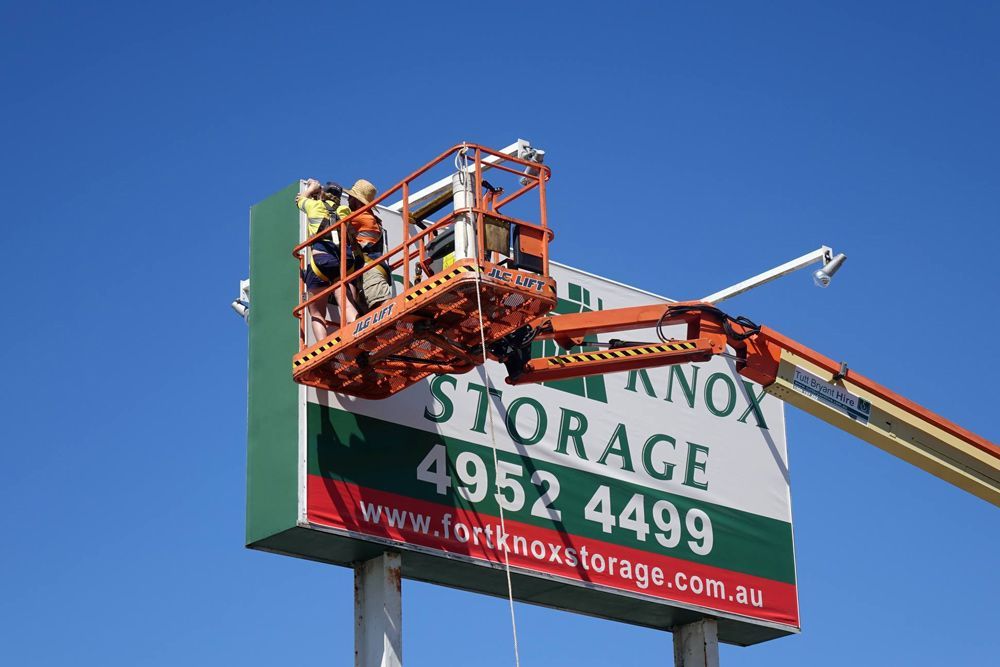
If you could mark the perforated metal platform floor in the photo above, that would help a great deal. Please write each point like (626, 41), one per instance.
(432, 328)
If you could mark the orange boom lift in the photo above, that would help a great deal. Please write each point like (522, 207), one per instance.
(434, 326)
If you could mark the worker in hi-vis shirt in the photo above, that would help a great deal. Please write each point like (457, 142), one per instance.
(370, 235)
(320, 205)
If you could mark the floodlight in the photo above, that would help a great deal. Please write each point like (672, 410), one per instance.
(822, 277)
(241, 305)
(531, 155)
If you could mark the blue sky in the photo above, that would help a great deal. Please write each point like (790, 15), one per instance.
(728, 137)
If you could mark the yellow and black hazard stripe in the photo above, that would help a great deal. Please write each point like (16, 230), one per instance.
(621, 353)
(318, 351)
(437, 282)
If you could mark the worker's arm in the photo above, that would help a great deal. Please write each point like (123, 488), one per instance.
(312, 189)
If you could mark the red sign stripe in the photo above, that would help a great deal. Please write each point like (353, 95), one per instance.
(475, 535)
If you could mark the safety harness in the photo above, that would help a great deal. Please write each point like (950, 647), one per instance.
(369, 252)
(373, 251)
(328, 246)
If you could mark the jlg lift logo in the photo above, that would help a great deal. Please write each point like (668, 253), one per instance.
(519, 280)
(374, 318)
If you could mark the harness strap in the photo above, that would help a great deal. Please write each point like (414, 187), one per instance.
(315, 268)
(380, 266)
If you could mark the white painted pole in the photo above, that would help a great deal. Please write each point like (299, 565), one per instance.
(462, 197)
(378, 612)
(697, 644)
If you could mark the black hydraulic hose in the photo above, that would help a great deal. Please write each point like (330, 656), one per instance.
(750, 329)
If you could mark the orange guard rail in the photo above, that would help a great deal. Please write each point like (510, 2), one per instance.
(411, 253)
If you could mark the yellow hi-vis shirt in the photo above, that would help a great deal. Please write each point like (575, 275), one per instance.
(316, 211)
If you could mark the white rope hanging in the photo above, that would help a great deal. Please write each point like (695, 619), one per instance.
(462, 164)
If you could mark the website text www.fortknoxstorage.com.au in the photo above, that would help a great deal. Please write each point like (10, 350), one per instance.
(493, 537)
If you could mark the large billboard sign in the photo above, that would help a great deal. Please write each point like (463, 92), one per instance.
(653, 497)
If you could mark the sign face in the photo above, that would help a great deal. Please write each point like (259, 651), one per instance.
(833, 396)
(662, 490)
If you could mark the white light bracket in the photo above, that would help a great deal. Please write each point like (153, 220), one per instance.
(823, 254)
(521, 148)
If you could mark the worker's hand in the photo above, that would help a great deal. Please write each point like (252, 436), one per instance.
(311, 188)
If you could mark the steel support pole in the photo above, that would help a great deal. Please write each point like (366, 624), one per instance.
(697, 644)
(378, 612)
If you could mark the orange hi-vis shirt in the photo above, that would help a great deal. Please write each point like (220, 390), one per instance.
(365, 226)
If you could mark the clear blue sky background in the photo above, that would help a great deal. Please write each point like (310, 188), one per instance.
(134, 137)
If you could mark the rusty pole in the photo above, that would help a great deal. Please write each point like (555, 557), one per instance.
(378, 612)
(697, 644)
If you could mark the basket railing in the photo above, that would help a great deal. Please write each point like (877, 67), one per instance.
(410, 255)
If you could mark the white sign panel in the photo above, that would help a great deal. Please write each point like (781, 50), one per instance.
(668, 483)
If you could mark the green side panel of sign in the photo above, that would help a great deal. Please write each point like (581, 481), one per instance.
(272, 424)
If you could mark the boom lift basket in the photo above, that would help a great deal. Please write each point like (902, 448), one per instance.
(433, 325)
